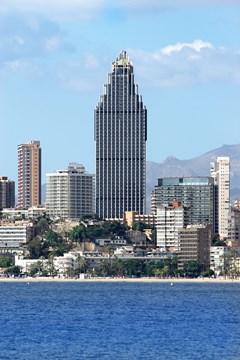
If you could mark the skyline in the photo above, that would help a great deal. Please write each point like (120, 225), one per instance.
(56, 57)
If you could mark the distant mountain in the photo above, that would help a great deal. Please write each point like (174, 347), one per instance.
(198, 166)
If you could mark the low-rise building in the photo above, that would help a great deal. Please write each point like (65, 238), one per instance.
(111, 242)
(15, 235)
(217, 256)
(133, 217)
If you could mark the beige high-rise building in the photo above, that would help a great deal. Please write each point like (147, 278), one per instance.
(220, 171)
(29, 174)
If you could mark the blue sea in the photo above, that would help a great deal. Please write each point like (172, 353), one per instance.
(68, 320)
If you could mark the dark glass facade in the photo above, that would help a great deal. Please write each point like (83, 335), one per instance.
(197, 193)
(120, 135)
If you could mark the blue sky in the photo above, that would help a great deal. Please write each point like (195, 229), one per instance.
(54, 60)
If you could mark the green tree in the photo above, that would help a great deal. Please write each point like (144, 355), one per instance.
(53, 239)
(50, 267)
(140, 226)
(36, 268)
(43, 224)
(13, 270)
(114, 228)
(37, 248)
(78, 233)
(69, 273)
(6, 261)
(192, 268)
(83, 264)
(134, 267)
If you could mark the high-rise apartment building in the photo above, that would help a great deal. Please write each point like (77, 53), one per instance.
(7, 193)
(120, 135)
(170, 218)
(70, 193)
(194, 244)
(196, 193)
(29, 174)
(220, 171)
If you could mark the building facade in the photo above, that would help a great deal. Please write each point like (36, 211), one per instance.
(70, 193)
(234, 227)
(120, 135)
(170, 218)
(217, 256)
(194, 244)
(220, 171)
(29, 174)
(15, 235)
(7, 193)
(196, 193)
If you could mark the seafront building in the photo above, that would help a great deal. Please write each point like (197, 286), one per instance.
(170, 218)
(195, 193)
(233, 238)
(29, 174)
(7, 193)
(120, 136)
(70, 193)
(217, 257)
(194, 244)
(220, 171)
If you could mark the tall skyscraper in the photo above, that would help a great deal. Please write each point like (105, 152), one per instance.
(120, 135)
(70, 193)
(220, 171)
(7, 193)
(29, 174)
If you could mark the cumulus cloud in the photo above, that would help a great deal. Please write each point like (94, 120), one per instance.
(174, 65)
(186, 64)
(197, 46)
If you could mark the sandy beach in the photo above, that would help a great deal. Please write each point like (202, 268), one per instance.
(139, 280)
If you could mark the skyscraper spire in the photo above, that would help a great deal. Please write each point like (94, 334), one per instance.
(120, 135)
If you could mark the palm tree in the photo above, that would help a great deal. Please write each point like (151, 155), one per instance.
(82, 264)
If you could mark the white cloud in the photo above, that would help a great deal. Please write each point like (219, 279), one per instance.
(197, 46)
(175, 65)
(184, 64)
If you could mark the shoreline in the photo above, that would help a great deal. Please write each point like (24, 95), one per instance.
(116, 280)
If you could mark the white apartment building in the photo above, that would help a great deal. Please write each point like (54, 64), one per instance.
(70, 193)
(220, 171)
(31, 213)
(170, 218)
(217, 255)
(14, 236)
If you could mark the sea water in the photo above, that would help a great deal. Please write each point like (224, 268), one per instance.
(108, 320)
